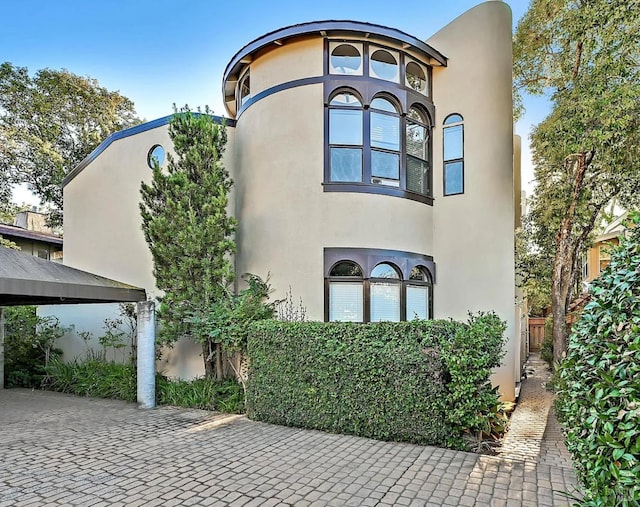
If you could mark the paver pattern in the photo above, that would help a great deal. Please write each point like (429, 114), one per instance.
(63, 450)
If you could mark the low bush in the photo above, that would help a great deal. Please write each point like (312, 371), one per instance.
(223, 396)
(98, 378)
(29, 345)
(425, 382)
(599, 398)
(92, 377)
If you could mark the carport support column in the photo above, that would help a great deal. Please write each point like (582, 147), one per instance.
(146, 354)
(1, 347)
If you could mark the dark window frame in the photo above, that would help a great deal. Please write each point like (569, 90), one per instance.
(460, 160)
(367, 88)
(369, 258)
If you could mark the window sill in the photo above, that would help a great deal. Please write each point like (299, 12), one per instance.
(377, 189)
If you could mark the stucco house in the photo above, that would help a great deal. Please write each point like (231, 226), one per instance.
(374, 176)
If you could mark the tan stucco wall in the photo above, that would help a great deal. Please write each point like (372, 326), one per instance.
(103, 235)
(474, 244)
(293, 60)
(285, 217)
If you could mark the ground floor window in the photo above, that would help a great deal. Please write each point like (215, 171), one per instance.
(372, 285)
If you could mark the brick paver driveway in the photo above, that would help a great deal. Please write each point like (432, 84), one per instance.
(62, 450)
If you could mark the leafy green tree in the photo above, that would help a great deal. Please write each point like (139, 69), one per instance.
(50, 122)
(584, 54)
(30, 345)
(189, 232)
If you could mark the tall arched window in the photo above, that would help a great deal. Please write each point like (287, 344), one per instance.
(386, 285)
(345, 137)
(417, 146)
(244, 89)
(346, 292)
(385, 142)
(419, 294)
(453, 155)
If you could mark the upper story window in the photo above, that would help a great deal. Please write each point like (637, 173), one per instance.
(384, 64)
(244, 89)
(345, 138)
(417, 141)
(416, 77)
(453, 154)
(385, 142)
(378, 121)
(345, 58)
(377, 146)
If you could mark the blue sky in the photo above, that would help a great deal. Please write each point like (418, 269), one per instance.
(157, 52)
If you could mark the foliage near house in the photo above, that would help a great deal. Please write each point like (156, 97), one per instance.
(189, 233)
(584, 55)
(29, 345)
(425, 382)
(49, 122)
(599, 398)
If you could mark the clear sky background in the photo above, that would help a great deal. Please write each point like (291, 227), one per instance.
(160, 52)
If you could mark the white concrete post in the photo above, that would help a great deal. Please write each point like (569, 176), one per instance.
(146, 354)
(1, 347)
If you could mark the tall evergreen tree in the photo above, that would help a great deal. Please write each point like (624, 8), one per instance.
(189, 232)
(585, 54)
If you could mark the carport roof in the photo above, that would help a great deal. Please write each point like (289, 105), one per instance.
(28, 280)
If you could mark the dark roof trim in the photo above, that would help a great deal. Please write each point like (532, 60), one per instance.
(9, 231)
(331, 28)
(143, 127)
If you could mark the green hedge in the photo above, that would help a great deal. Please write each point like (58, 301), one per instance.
(425, 382)
(599, 398)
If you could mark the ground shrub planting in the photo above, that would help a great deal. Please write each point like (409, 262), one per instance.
(29, 345)
(97, 378)
(424, 382)
(599, 398)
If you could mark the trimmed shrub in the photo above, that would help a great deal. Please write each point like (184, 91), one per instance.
(424, 382)
(599, 398)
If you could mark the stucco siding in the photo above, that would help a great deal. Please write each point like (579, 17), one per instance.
(475, 230)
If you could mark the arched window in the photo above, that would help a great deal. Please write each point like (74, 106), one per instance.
(372, 285)
(385, 142)
(416, 77)
(244, 89)
(419, 294)
(453, 154)
(417, 150)
(345, 137)
(345, 58)
(383, 64)
(386, 286)
(346, 292)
